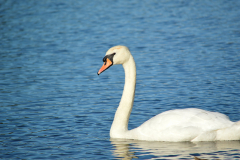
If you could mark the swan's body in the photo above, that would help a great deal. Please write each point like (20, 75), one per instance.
(189, 124)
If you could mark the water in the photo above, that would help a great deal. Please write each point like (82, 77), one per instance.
(53, 104)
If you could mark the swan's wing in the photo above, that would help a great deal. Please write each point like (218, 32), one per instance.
(183, 125)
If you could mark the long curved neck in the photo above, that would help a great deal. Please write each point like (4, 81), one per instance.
(120, 122)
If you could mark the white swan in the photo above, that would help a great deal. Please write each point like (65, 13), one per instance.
(189, 124)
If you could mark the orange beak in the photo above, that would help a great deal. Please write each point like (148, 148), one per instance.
(105, 66)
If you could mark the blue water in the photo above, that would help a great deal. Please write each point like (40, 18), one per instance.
(54, 106)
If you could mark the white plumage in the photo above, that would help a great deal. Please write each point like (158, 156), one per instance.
(189, 124)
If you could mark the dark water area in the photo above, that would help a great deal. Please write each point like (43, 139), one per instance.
(54, 106)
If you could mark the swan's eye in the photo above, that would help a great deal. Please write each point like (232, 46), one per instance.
(110, 57)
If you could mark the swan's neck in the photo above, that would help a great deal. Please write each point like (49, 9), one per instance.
(120, 122)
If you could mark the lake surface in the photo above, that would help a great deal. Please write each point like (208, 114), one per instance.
(54, 106)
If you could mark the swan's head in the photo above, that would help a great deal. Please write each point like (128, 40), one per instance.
(115, 55)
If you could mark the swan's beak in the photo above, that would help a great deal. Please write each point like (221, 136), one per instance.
(108, 63)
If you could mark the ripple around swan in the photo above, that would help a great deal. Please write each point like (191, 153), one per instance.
(53, 104)
(169, 150)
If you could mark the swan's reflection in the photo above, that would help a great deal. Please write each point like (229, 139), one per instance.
(132, 149)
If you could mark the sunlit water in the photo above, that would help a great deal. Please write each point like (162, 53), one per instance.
(53, 104)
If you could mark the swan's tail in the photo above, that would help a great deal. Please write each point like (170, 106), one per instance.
(230, 133)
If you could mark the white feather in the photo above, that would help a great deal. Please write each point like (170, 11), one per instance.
(189, 124)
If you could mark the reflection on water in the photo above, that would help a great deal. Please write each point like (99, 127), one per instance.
(133, 149)
(54, 106)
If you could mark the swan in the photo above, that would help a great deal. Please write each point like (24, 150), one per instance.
(190, 124)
